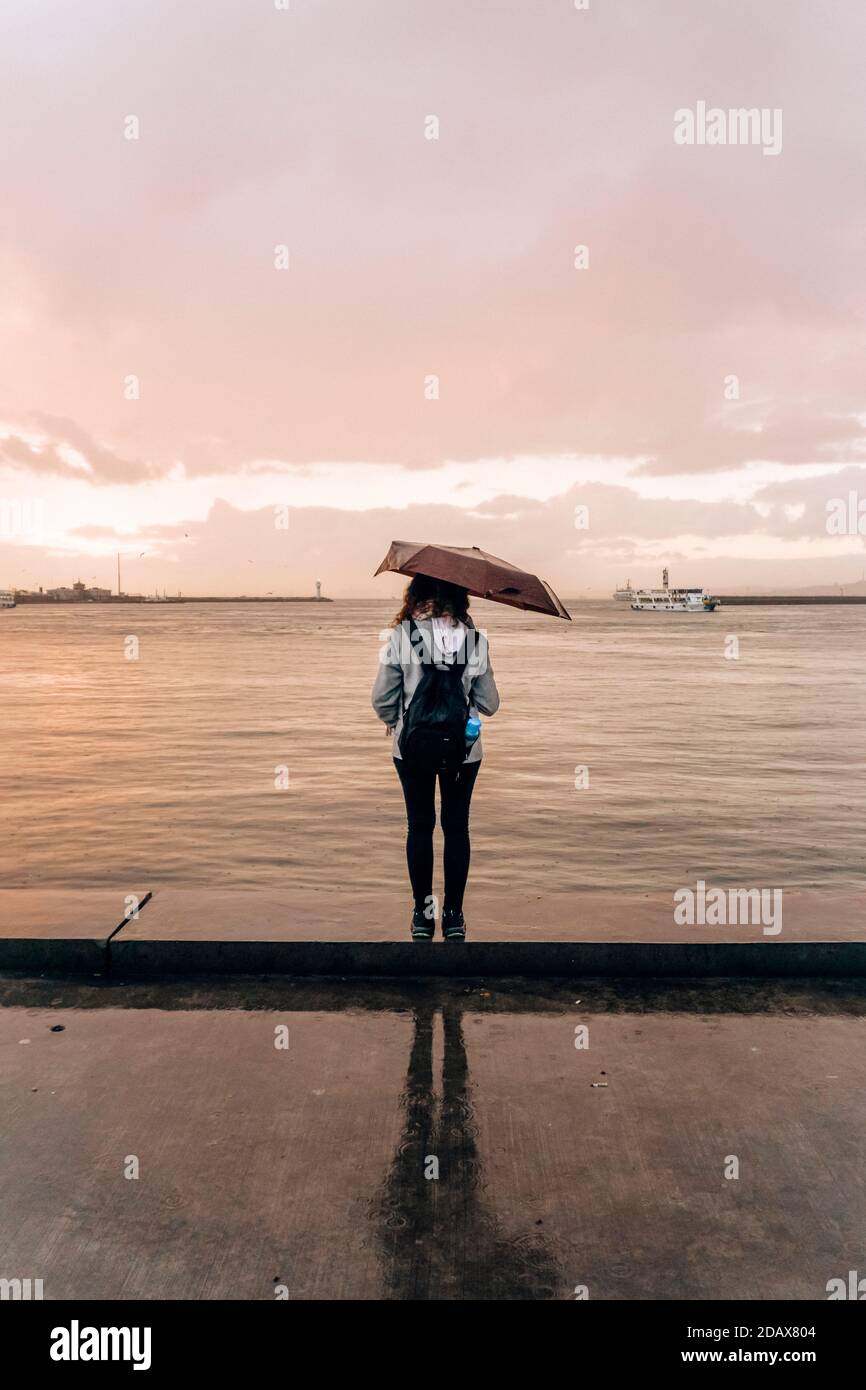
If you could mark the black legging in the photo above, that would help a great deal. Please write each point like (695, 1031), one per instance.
(419, 789)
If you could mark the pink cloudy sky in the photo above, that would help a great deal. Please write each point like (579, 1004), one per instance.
(409, 257)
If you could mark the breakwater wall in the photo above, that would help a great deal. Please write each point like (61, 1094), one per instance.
(771, 599)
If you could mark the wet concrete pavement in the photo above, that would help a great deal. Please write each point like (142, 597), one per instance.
(432, 1139)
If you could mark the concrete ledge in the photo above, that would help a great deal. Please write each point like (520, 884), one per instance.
(186, 932)
(141, 958)
(64, 932)
(350, 918)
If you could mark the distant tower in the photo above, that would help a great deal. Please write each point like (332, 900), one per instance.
(664, 578)
(318, 588)
(118, 574)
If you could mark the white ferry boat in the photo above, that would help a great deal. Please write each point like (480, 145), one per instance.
(7, 598)
(626, 594)
(668, 600)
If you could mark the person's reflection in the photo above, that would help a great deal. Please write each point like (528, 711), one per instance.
(439, 1237)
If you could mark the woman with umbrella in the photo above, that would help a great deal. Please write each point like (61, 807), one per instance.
(434, 680)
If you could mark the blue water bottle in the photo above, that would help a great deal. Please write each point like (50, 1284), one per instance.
(473, 729)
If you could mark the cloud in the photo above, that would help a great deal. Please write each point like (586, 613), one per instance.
(155, 533)
(63, 448)
(247, 551)
(411, 258)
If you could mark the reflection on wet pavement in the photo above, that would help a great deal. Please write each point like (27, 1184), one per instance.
(316, 1167)
(439, 1234)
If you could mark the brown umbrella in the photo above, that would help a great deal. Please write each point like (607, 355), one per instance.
(473, 569)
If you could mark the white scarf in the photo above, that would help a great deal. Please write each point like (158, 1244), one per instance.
(448, 636)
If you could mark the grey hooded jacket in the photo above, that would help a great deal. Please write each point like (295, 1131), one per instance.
(401, 666)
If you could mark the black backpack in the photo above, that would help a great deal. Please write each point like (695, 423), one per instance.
(433, 737)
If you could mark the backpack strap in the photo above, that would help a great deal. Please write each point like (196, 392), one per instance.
(461, 660)
(412, 630)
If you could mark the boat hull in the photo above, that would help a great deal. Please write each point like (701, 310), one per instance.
(669, 599)
(660, 606)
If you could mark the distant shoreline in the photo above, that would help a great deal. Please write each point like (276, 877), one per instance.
(22, 602)
(732, 600)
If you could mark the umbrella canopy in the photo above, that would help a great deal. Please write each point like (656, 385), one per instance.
(484, 575)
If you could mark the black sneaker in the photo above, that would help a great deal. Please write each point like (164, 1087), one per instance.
(453, 925)
(422, 927)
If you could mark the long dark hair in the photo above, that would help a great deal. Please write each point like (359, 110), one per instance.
(439, 599)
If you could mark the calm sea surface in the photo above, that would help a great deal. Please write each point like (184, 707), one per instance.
(161, 770)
